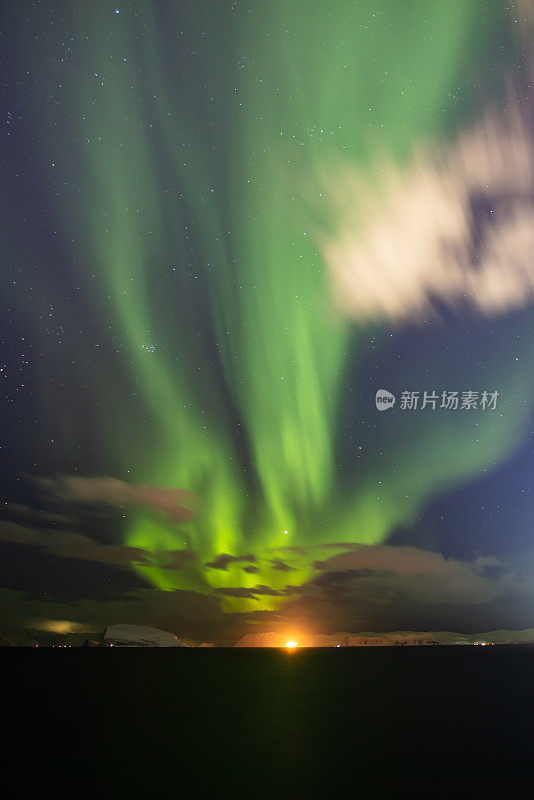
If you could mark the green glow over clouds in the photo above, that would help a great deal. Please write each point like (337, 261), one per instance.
(197, 197)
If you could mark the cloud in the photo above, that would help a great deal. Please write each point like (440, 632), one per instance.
(452, 229)
(381, 572)
(243, 591)
(237, 591)
(281, 566)
(290, 548)
(25, 514)
(223, 561)
(338, 546)
(67, 544)
(176, 504)
(374, 588)
(176, 559)
(62, 626)
(185, 612)
(392, 588)
(386, 587)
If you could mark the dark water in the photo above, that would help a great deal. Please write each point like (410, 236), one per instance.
(358, 722)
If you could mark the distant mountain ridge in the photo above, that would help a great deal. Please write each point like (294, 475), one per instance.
(389, 639)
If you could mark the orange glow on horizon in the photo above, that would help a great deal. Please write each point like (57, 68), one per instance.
(291, 644)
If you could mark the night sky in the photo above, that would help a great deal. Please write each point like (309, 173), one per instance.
(225, 227)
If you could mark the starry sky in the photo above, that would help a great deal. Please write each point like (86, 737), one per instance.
(225, 227)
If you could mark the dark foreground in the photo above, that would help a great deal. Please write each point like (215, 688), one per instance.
(361, 722)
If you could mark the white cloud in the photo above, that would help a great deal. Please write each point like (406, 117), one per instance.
(456, 227)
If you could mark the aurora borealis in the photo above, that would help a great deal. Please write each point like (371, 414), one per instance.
(168, 190)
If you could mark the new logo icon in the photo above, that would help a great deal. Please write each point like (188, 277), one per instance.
(384, 400)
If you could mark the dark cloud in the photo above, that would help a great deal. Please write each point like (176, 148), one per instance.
(338, 546)
(348, 575)
(190, 613)
(281, 566)
(223, 561)
(176, 559)
(251, 593)
(364, 588)
(237, 591)
(381, 588)
(44, 576)
(266, 590)
(423, 573)
(68, 544)
(382, 571)
(388, 588)
(175, 504)
(18, 512)
(290, 548)
(368, 589)
(336, 578)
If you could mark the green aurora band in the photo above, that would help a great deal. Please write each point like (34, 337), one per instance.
(188, 150)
